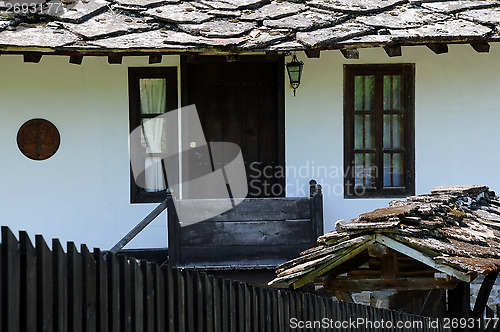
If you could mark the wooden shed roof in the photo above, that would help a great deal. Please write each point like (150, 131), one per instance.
(454, 230)
(230, 26)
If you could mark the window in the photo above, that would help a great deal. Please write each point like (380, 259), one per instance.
(152, 92)
(379, 130)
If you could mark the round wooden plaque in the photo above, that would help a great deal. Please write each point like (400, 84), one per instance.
(38, 139)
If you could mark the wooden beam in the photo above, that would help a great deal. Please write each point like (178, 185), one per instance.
(360, 285)
(313, 53)
(389, 265)
(272, 56)
(338, 260)
(155, 58)
(459, 301)
(33, 57)
(76, 59)
(393, 51)
(140, 226)
(484, 294)
(438, 48)
(481, 47)
(419, 256)
(350, 53)
(115, 59)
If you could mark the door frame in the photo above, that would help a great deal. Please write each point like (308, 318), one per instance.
(279, 60)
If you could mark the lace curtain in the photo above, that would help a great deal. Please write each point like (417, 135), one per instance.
(153, 101)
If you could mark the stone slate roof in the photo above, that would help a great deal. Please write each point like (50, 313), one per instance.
(456, 227)
(209, 26)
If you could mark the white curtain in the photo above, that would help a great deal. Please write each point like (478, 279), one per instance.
(153, 101)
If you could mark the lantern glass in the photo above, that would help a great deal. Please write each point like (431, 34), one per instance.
(294, 69)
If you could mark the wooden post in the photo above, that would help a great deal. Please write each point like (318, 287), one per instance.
(316, 196)
(173, 232)
(484, 294)
(459, 302)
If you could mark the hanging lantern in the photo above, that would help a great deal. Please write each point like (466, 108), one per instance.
(294, 69)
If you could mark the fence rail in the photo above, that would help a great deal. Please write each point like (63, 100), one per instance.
(45, 289)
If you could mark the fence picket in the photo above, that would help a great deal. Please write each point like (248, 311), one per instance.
(159, 285)
(28, 284)
(45, 285)
(169, 285)
(147, 271)
(11, 259)
(137, 296)
(114, 299)
(181, 301)
(216, 291)
(60, 287)
(89, 290)
(102, 291)
(125, 294)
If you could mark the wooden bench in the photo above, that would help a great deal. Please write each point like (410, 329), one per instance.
(257, 233)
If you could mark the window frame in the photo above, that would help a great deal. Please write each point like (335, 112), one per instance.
(137, 194)
(379, 70)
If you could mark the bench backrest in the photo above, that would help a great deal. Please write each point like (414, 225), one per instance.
(257, 233)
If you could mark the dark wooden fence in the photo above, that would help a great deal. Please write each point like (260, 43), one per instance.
(46, 289)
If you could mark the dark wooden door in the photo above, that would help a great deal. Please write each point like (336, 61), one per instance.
(242, 102)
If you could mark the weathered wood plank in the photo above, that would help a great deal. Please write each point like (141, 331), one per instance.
(137, 296)
(89, 291)
(358, 285)
(11, 260)
(170, 298)
(114, 298)
(251, 209)
(234, 256)
(246, 233)
(75, 320)
(180, 301)
(125, 274)
(45, 284)
(160, 294)
(28, 299)
(149, 317)
(60, 287)
(102, 292)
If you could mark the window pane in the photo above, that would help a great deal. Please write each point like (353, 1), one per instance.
(153, 136)
(365, 170)
(393, 131)
(153, 92)
(393, 91)
(153, 175)
(364, 93)
(393, 170)
(363, 132)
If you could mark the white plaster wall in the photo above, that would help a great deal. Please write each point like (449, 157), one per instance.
(82, 193)
(457, 122)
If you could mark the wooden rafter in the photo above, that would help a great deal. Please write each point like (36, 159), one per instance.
(359, 285)
(419, 256)
(338, 260)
